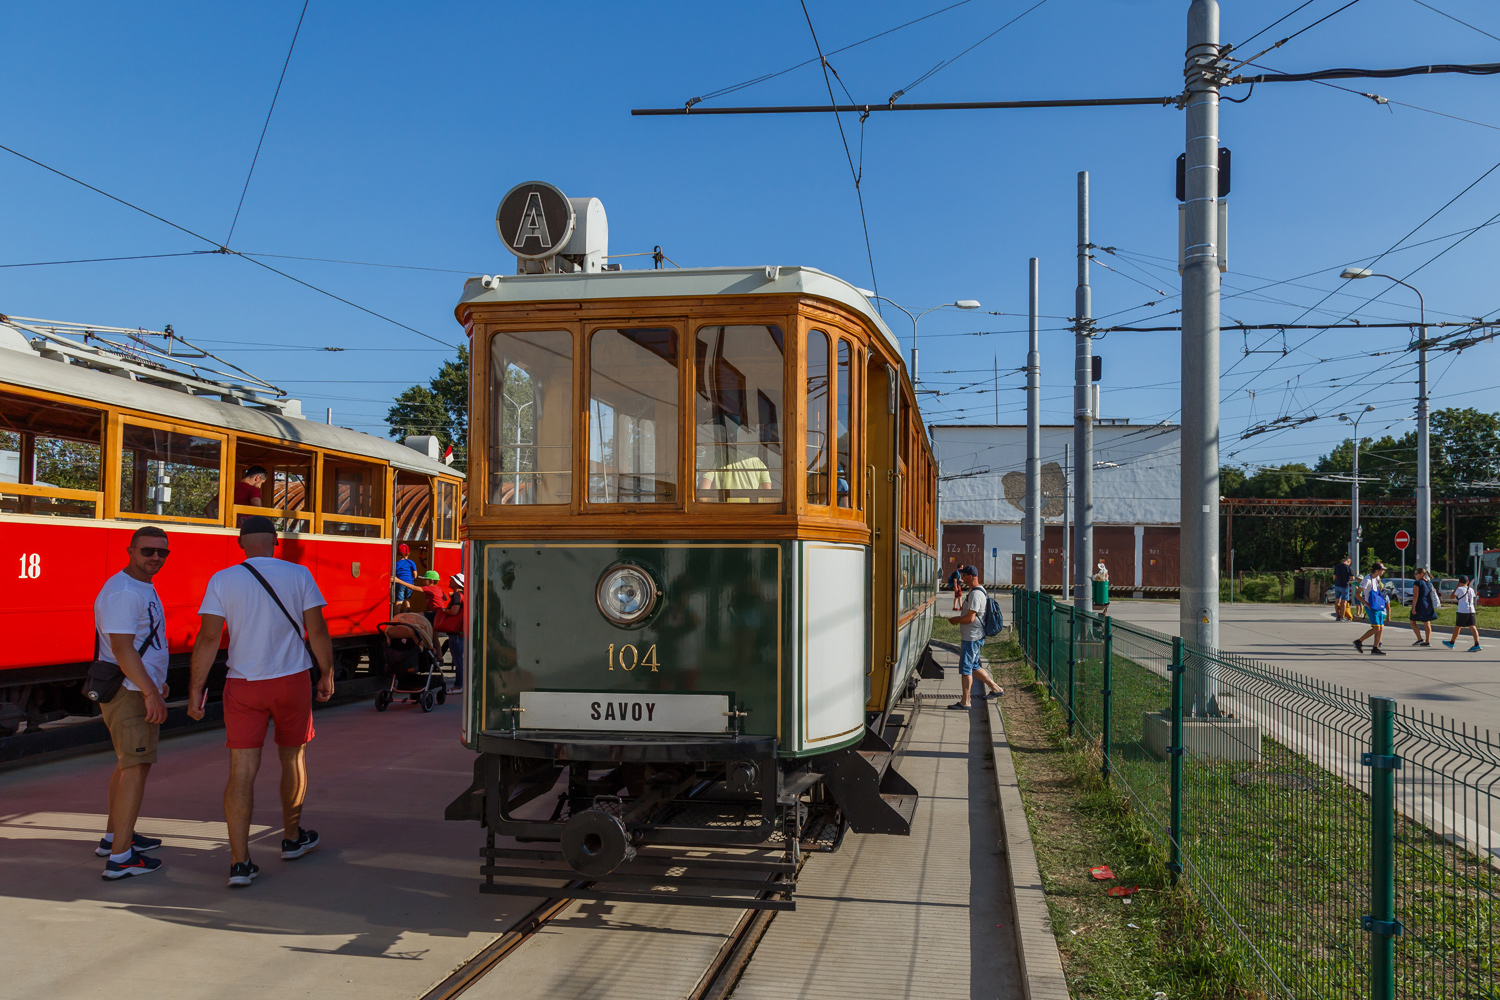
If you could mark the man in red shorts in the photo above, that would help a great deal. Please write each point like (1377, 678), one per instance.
(267, 604)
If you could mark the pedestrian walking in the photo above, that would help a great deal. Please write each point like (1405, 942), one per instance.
(130, 632)
(1464, 595)
(267, 604)
(955, 584)
(1343, 575)
(450, 622)
(403, 577)
(1372, 596)
(1424, 607)
(971, 635)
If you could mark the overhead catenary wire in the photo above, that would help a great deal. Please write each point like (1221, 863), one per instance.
(949, 62)
(1450, 17)
(254, 159)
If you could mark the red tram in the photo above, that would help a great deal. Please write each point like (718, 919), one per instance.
(104, 429)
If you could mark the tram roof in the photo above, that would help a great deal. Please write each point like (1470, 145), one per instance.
(674, 283)
(23, 367)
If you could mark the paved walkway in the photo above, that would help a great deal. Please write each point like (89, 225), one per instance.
(1303, 638)
(917, 916)
(386, 908)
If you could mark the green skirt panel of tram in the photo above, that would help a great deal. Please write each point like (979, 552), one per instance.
(757, 638)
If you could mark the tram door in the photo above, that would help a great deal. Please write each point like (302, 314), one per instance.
(881, 504)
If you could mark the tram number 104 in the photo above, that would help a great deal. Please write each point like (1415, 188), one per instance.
(31, 567)
(630, 657)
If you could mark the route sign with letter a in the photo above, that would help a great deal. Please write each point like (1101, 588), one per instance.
(535, 220)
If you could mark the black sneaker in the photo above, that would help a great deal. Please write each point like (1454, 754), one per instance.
(138, 842)
(1377, 651)
(1358, 645)
(136, 864)
(242, 873)
(306, 841)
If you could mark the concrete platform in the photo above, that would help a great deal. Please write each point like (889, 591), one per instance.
(387, 907)
(927, 915)
(1303, 638)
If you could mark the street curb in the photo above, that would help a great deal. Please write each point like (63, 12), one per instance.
(1041, 963)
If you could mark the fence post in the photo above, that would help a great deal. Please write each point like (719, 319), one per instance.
(1174, 757)
(1381, 923)
(1106, 692)
(1072, 658)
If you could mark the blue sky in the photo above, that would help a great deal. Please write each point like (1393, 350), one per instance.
(399, 126)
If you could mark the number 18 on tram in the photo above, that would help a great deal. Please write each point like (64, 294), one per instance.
(701, 534)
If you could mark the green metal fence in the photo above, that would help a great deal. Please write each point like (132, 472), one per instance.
(1343, 845)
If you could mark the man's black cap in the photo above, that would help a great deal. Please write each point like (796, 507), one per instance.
(968, 571)
(257, 524)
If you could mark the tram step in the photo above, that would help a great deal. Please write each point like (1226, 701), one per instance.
(870, 792)
(903, 805)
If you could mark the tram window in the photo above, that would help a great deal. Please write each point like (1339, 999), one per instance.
(48, 446)
(353, 499)
(531, 418)
(289, 476)
(738, 371)
(414, 503)
(169, 474)
(845, 431)
(447, 512)
(633, 415)
(817, 417)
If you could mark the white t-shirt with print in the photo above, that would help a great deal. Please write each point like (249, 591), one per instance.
(263, 645)
(1465, 598)
(127, 606)
(975, 601)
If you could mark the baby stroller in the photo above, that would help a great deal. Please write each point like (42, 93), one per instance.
(411, 662)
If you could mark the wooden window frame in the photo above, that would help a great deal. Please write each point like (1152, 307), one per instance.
(583, 381)
(99, 497)
(118, 420)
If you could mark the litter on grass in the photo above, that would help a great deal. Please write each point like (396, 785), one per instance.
(1122, 890)
(1102, 873)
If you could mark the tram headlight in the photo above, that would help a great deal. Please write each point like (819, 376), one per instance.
(626, 594)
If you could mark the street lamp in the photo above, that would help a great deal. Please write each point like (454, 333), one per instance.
(959, 304)
(1424, 466)
(1354, 506)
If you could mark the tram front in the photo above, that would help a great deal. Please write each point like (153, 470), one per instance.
(672, 562)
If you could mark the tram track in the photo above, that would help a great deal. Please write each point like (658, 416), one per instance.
(720, 976)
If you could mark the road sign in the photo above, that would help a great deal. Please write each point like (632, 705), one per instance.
(534, 220)
(1476, 548)
(1402, 540)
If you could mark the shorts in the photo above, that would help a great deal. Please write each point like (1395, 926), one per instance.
(968, 656)
(250, 705)
(402, 593)
(1340, 593)
(1465, 619)
(1375, 617)
(134, 738)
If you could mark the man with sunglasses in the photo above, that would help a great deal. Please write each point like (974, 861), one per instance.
(131, 631)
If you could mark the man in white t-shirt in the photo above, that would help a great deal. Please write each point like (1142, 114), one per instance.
(268, 683)
(971, 640)
(130, 630)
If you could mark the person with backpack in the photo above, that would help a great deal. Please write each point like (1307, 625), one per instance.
(267, 604)
(979, 614)
(130, 636)
(1376, 605)
(1424, 607)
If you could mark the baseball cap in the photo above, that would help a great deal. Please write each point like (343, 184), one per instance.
(431, 574)
(257, 524)
(968, 571)
(1378, 565)
(403, 549)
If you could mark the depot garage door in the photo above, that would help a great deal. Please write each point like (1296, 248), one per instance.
(963, 544)
(1161, 558)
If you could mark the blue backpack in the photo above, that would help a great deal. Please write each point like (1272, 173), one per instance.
(994, 622)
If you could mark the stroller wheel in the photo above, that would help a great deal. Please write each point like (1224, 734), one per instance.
(442, 695)
(429, 700)
(382, 701)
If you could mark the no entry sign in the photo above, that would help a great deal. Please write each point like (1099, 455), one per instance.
(1402, 540)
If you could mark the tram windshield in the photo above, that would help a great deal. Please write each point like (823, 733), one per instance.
(633, 415)
(531, 418)
(738, 371)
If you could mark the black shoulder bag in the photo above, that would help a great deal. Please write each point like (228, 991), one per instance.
(104, 678)
(300, 634)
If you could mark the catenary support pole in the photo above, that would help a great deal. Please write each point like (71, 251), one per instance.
(1033, 510)
(1067, 529)
(1083, 417)
(1199, 606)
(1423, 555)
(1381, 923)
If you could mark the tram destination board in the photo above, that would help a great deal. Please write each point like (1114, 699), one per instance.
(617, 712)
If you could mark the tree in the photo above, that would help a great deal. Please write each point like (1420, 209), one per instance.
(440, 408)
(1465, 448)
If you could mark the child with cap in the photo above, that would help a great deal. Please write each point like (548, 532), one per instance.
(404, 576)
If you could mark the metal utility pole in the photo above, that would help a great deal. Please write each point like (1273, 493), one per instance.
(1033, 527)
(1067, 532)
(1354, 489)
(1083, 418)
(1199, 606)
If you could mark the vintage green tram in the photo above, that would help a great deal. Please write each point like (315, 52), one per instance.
(701, 538)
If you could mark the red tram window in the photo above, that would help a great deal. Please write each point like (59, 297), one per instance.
(50, 460)
(169, 474)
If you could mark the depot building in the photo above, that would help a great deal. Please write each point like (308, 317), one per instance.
(1136, 489)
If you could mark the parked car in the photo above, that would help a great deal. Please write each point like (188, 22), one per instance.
(1446, 586)
(1328, 596)
(1400, 591)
